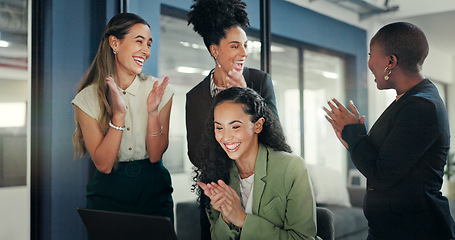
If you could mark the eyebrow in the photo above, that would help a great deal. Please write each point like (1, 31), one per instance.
(237, 42)
(235, 121)
(140, 36)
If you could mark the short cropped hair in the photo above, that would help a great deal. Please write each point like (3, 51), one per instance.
(406, 41)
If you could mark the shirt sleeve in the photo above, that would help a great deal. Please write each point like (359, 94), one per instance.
(87, 101)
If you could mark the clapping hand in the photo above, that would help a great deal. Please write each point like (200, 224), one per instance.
(225, 200)
(154, 97)
(117, 101)
(339, 116)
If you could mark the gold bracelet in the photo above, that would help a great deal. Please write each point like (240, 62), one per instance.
(157, 133)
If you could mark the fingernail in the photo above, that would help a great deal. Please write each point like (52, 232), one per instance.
(351, 102)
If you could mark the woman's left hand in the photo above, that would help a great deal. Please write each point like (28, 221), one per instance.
(154, 97)
(339, 116)
(235, 79)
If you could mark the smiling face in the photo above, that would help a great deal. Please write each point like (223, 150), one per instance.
(232, 51)
(235, 132)
(377, 63)
(132, 51)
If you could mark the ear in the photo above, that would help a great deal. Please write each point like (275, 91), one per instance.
(213, 50)
(258, 125)
(393, 60)
(114, 42)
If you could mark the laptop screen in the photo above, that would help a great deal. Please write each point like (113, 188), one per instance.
(110, 225)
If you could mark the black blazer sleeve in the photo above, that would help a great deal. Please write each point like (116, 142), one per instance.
(262, 83)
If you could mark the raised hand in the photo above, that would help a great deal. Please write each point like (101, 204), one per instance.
(154, 97)
(231, 208)
(217, 197)
(235, 79)
(117, 102)
(339, 116)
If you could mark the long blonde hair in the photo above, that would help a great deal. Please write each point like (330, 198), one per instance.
(103, 65)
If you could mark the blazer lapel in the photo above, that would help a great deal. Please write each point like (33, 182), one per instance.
(260, 172)
(206, 95)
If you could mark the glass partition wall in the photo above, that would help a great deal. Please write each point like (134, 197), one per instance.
(14, 91)
(14, 119)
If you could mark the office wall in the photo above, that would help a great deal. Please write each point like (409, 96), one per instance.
(15, 213)
(68, 34)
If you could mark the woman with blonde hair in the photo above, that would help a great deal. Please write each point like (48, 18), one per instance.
(122, 121)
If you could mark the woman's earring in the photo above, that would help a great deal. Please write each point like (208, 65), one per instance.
(216, 61)
(386, 77)
(115, 52)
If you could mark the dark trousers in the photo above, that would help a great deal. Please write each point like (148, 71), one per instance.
(134, 187)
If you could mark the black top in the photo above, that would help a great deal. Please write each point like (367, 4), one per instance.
(403, 159)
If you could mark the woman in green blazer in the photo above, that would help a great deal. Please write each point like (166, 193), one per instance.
(257, 188)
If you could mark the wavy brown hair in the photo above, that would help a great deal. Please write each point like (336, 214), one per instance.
(103, 65)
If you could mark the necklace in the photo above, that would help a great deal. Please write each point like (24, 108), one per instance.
(223, 84)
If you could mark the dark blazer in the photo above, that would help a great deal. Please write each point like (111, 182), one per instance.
(199, 101)
(403, 159)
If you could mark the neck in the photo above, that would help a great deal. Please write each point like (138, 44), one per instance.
(124, 80)
(219, 77)
(246, 165)
(404, 82)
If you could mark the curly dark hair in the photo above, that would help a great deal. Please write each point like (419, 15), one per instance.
(215, 163)
(406, 41)
(211, 18)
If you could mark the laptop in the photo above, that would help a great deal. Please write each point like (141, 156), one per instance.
(102, 225)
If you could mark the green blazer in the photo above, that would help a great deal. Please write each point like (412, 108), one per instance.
(283, 201)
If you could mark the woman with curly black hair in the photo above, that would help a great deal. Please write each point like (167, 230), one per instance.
(221, 24)
(249, 174)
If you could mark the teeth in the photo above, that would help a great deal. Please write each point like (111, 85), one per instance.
(141, 60)
(232, 146)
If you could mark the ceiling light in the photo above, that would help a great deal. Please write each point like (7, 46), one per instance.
(4, 43)
(183, 69)
(330, 75)
(16, 114)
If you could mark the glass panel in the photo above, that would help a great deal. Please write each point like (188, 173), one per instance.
(185, 59)
(285, 78)
(14, 90)
(323, 80)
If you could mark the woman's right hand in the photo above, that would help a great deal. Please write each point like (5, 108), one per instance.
(211, 190)
(117, 101)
